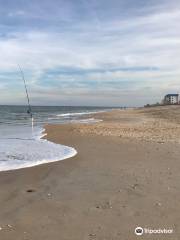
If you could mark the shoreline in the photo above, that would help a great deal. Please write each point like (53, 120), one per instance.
(60, 152)
(112, 185)
(132, 124)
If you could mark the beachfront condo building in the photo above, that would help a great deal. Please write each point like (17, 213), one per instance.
(171, 99)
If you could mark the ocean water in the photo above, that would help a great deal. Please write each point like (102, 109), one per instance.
(22, 146)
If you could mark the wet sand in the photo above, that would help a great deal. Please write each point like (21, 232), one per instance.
(117, 181)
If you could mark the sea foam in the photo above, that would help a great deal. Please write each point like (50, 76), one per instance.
(27, 149)
(77, 114)
(87, 120)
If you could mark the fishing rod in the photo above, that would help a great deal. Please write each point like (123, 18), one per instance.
(29, 111)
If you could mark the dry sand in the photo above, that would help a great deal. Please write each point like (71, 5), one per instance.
(126, 174)
(158, 124)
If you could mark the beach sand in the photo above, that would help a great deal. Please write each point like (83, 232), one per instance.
(126, 174)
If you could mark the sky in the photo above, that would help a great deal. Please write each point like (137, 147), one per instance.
(89, 52)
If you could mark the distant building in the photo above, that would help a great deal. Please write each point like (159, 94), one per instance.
(171, 99)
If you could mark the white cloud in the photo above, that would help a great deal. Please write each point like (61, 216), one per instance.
(17, 13)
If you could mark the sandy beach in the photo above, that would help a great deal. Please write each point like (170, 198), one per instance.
(126, 174)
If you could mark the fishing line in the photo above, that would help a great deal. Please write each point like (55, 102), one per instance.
(29, 111)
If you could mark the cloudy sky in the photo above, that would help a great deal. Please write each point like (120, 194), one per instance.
(89, 52)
